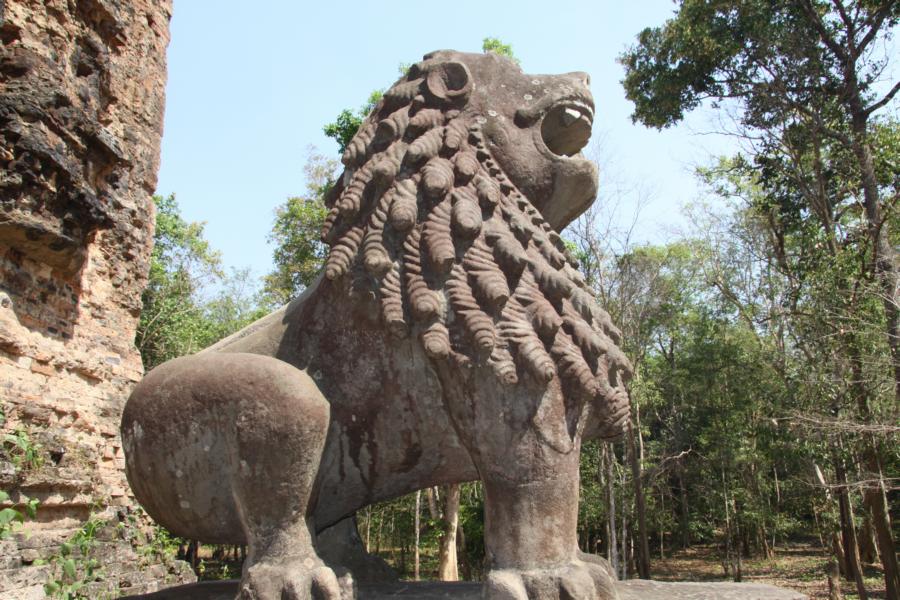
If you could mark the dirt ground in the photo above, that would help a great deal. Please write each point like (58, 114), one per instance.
(800, 567)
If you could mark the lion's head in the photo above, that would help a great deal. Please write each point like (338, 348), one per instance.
(447, 216)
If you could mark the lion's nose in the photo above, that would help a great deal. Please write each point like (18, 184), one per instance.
(581, 77)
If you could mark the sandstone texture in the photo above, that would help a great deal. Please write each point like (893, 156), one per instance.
(82, 86)
(450, 337)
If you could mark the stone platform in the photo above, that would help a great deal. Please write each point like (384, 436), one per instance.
(635, 589)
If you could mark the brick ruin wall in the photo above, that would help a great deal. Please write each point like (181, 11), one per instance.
(82, 87)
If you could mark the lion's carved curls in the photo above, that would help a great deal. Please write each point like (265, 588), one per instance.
(425, 221)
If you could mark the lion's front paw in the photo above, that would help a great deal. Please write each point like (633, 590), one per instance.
(307, 579)
(578, 580)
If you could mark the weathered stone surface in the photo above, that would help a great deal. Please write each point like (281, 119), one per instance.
(81, 105)
(450, 338)
(627, 590)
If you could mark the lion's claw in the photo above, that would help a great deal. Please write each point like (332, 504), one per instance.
(298, 580)
(578, 580)
(505, 585)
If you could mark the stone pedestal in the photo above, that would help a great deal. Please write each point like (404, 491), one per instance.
(635, 589)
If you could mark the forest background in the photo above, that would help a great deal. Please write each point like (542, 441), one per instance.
(766, 399)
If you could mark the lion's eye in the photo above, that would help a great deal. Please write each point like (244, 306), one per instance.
(566, 128)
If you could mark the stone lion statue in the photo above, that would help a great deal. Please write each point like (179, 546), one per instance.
(449, 339)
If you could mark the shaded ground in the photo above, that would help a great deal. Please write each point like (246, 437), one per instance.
(800, 567)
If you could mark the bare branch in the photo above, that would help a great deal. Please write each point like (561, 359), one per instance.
(887, 98)
(890, 484)
(842, 425)
(877, 21)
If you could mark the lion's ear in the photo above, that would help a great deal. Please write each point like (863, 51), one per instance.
(449, 80)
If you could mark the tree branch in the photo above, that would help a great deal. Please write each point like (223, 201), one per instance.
(887, 98)
(820, 28)
(877, 21)
(848, 22)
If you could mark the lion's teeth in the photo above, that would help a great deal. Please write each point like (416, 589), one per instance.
(569, 116)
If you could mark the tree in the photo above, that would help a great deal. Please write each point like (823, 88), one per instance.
(806, 78)
(299, 253)
(182, 262)
(807, 65)
(492, 44)
(189, 302)
(447, 558)
(348, 121)
(642, 287)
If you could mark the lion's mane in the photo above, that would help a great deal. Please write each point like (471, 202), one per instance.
(425, 223)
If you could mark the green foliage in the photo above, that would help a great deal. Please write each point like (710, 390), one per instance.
(492, 44)
(344, 127)
(299, 253)
(770, 55)
(179, 314)
(10, 517)
(162, 543)
(234, 305)
(348, 121)
(801, 271)
(182, 263)
(24, 453)
(73, 567)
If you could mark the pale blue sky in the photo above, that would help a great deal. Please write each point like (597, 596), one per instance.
(250, 89)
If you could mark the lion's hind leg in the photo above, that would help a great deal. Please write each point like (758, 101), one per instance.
(269, 421)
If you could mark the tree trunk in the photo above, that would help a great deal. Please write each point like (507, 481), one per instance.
(623, 556)
(433, 511)
(447, 566)
(643, 549)
(848, 527)
(837, 549)
(368, 527)
(662, 529)
(730, 564)
(739, 563)
(877, 502)
(834, 581)
(417, 527)
(684, 520)
(378, 536)
(868, 547)
(611, 544)
(874, 494)
(888, 273)
(393, 535)
(461, 553)
(879, 231)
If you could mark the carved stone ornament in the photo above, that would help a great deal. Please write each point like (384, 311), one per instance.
(450, 338)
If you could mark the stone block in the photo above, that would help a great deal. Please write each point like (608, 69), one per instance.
(43, 369)
(23, 577)
(31, 592)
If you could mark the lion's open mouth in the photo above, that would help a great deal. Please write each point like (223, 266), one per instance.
(566, 127)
